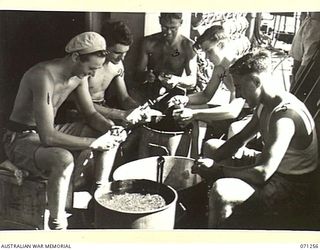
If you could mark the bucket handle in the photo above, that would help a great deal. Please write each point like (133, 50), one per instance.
(183, 211)
(165, 149)
(160, 163)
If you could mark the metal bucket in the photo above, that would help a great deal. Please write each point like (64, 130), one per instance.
(161, 218)
(192, 189)
(155, 142)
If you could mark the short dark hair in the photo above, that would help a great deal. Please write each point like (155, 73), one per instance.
(99, 53)
(255, 62)
(214, 34)
(169, 16)
(117, 32)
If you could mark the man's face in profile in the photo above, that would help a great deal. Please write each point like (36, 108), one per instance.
(89, 66)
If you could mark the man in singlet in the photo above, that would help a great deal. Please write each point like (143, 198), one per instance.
(111, 75)
(166, 58)
(34, 143)
(278, 180)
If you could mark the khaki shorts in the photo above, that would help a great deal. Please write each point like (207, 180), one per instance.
(20, 147)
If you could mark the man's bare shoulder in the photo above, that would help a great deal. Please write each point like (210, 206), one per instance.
(113, 69)
(187, 46)
(152, 41)
(42, 70)
(185, 41)
(153, 38)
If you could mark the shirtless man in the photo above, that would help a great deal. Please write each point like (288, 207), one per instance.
(278, 179)
(34, 143)
(167, 58)
(118, 39)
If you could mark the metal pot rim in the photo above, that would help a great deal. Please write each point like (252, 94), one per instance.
(167, 132)
(138, 212)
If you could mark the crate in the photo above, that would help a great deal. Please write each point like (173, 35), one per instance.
(22, 206)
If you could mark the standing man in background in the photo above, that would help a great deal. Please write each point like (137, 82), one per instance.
(304, 44)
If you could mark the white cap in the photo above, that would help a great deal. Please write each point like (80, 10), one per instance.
(85, 43)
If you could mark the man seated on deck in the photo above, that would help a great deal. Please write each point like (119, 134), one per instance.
(111, 75)
(279, 179)
(166, 60)
(222, 51)
(33, 142)
(109, 82)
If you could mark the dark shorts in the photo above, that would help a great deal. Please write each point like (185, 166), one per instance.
(284, 197)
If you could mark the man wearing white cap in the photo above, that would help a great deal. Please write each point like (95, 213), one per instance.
(34, 143)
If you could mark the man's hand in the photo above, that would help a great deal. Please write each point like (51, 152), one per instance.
(133, 116)
(167, 80)
(149, 115)
(149, 77)
(183, 116)
(142, 115)
(206, 168)
(109, 140)
(178, 100)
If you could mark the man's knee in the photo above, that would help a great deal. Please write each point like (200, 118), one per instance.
(57, 159)
(230, 190)
(218, 190)
(64, 162)
(210, 146)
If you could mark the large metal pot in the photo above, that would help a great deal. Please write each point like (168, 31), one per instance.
(191, 188)
(161, 218)
(153, 141)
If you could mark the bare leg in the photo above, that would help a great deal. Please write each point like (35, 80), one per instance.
(60, 164)
(224, 195)
(84, 167)
(210, 146)
(103, 165)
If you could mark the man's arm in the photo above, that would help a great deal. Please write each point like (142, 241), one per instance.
(231, 146)
(226, 111)
(281, 131)
(188, 79)
(205, 96)
(42, 90)
(127, 102)
(209, 115)
(85, 104)
(141, 74)
(110, 113)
